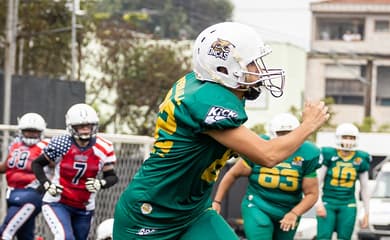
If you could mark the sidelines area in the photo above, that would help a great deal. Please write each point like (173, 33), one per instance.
(130, 150)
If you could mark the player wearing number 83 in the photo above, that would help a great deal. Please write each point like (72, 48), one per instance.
(276, 197)
(199, 127)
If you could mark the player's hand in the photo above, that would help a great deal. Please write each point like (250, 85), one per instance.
(217, 206)
(52, 188)
(289, 221)
(315, 114)
(93, 184)
(321, 211)
(364, 221)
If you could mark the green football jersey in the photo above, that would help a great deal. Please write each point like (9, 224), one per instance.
(174, 184)
(275, 190)
(340, 179)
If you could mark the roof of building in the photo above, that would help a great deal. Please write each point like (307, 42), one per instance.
(351, 6)
(357, 1)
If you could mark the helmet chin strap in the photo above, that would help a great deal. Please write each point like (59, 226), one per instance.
(252, 93)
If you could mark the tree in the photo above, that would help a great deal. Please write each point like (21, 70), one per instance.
(140, 73)
(42, 50)
(136, 71)
(174, 19)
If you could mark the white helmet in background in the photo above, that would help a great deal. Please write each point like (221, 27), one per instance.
(283, 122)
(347, 129)
(222, 52)
(31, 121)
(104, 230)
(81, 114)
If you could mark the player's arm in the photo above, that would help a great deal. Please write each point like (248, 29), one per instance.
(109, 175)
(239, 169)
(364, 190)
(310, 192)
(37, 167)
(321, 172)
(109, 179)
(269, 153)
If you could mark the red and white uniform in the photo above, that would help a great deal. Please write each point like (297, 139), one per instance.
(20, 156)
(73, 165)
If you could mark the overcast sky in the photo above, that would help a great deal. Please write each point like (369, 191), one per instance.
(277, 20)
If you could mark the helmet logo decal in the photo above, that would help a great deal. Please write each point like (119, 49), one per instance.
(220, 49)
(218, 113)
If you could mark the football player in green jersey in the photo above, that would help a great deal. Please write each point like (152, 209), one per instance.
(198, 128)
(274, 202)
(342, 167)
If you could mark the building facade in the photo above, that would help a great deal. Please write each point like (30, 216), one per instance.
(349, 59)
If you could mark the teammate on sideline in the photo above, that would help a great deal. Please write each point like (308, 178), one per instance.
(342, 167)
(198, 128)
(274, 202)
(79, 158)
(24, 198)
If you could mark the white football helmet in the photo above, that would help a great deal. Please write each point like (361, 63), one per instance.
(31, 121)
(222, 52)
(104, 230)
(347, 129)
(79, 114)
(283, 122)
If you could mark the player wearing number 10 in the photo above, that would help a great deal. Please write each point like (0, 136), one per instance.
(79, 157)
(342, 167)
(198, 128)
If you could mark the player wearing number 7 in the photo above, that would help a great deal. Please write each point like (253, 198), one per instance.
(342, 166)
(69, 201)
(274, 202)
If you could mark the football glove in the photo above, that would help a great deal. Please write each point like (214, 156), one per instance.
(93, 184)
(52, 189)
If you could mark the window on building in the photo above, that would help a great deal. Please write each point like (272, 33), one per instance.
(383, 86)
(382, 26)
(340, 29)
(344, 85)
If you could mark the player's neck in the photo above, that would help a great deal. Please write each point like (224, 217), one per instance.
(82, 143)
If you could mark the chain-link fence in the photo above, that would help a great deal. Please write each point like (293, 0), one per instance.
(130, 152)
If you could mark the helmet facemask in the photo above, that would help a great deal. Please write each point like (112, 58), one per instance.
(75, 131)
(28, 139)
(269, 79)
(346, 143)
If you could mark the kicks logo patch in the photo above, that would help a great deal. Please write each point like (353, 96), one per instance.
(145, 231)
(216, 114)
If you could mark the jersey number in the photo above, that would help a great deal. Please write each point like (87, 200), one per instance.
(271, 178)
(81, 168)
(19, 159)
(343, 176)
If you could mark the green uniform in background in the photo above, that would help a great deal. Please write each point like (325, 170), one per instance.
(339, 192)
(169, 196)
(272, 192)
